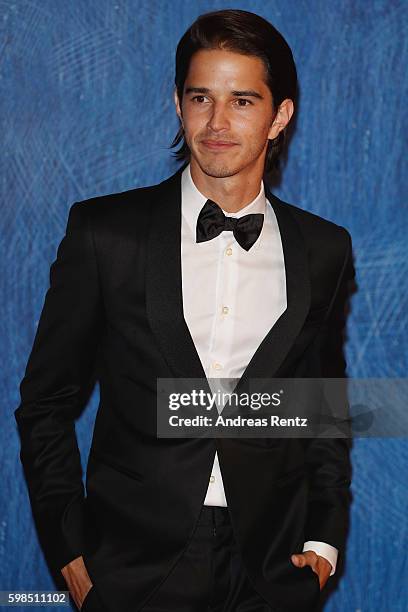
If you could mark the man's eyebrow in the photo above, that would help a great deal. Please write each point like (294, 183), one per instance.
(246, 92)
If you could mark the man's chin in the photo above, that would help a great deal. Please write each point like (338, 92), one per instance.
(218, 168)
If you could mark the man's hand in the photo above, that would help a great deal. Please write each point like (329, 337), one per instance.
(78, 580)
(319, 564)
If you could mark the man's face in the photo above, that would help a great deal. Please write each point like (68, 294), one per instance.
(226, 112)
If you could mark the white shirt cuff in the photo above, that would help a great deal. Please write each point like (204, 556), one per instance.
(325, 550)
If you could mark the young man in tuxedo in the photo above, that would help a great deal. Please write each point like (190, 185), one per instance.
(206, 275)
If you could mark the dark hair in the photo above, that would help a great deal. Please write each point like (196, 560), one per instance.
(249, 34)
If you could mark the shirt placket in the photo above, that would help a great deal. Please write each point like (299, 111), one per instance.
(220, 341)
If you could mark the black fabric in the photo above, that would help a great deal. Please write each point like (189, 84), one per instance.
(92, 602)
(210, 575)
(212, 221)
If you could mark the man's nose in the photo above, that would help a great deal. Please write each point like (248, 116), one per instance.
(218, 119)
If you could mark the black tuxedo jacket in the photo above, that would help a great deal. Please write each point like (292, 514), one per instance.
(114, 311)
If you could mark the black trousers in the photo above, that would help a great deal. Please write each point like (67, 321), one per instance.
(208, 577)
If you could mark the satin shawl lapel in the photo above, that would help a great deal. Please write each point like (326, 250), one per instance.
(164, 298)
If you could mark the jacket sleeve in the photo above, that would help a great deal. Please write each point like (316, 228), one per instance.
(328, 459)
(54, 388)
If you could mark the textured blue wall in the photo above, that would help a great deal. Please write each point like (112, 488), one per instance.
(87, 109)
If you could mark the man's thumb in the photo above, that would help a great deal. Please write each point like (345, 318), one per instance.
(298, 560)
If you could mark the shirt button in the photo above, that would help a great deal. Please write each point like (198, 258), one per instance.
(212, 478)
(217, 366)
(229, 251)
(225, 309)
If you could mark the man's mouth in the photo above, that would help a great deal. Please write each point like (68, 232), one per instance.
(218, 144)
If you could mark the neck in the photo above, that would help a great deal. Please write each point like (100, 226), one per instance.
(231, 193)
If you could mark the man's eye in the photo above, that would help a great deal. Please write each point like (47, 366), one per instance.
(243, 100)
(196, 97)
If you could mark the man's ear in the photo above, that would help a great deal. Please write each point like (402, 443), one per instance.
(177, 103)
(282, 118)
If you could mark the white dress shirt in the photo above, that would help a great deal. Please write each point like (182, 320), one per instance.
(231, 299)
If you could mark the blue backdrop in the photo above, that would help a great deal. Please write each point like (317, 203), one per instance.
(87, 109)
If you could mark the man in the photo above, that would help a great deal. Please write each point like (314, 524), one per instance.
(166, 282)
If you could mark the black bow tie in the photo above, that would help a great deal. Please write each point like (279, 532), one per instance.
(212, 221)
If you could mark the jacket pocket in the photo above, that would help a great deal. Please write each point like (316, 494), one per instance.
(115, 465)
(291, 475)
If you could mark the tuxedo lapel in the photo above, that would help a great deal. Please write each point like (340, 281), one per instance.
(164, 299)
(278, 341)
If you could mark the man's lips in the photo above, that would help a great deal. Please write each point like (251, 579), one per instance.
(218, 144)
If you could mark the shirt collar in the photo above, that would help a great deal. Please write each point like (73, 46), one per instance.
(193, 201)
